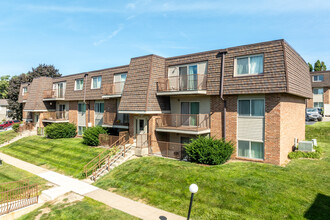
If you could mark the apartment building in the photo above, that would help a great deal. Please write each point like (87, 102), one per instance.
(252, 95)
(321, 89)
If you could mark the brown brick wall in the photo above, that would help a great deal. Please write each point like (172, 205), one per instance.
(231, 120)
(73, 112)
(216, 113)
(91, 112)
(292, 123)
(310, 103)
(272, 128)
(326, 96)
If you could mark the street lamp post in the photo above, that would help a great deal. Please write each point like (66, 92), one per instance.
(193, 188)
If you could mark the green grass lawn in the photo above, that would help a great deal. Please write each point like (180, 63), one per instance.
(67, 155)
(7, 135)
(10, 173)
(240, 190)
(85, 209)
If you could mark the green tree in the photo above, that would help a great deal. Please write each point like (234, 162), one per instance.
(320, 66)
(15, 85)
(310, 67)
(4, 84)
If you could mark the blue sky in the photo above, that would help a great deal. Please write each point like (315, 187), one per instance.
(79, 36)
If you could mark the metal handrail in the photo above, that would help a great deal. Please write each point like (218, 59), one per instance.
(101, 158)
(189, 82)
(114, 88)
(197, 121)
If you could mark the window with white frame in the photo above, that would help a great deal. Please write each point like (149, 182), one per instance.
(24, 90)
(252, 110)
(79, 85)
(251, 107)
(318, 104)
(249, 65)
(318, 91)
(318, 78)
(251, 149)
(96, 82)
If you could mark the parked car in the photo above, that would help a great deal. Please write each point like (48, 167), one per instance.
(320, 111)
(313, 114)
(8, 124)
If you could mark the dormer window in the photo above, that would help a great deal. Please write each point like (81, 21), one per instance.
(318, 78)
(249, 65)
(79, 84)
(24, 90)
(96, 82)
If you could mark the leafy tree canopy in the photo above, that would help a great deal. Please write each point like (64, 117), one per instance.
(318, 66)
(15, 84)
(4, 83)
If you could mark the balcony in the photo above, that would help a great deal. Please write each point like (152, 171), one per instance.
(113, 90)
(53, 94)
(195, 124)
(56, 117)
(167, 149)
(115, 120)
(181, 85)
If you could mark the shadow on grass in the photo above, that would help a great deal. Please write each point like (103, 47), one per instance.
(320, 209)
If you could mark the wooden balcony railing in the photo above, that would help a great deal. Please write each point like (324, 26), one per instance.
(54, 93)
(115, 119)
(167, 149)
(113, 89)
(184, 121)
(193, 82)
(57, 115)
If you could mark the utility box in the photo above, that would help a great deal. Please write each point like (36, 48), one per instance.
(306, 146)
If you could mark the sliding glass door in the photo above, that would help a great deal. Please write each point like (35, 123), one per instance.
(189, 111)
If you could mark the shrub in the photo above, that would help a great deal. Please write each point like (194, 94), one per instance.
(16, 127)
(207, 150)
(91, 135)
(301, 154)
(60, 130)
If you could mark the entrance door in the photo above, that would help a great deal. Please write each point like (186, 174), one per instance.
(60, 90)
(81, 118)
(141, 129)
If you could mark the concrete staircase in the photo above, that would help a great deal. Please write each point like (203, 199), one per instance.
(114, 161)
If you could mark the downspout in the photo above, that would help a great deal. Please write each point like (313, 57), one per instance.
(223, 54)
(86, 75)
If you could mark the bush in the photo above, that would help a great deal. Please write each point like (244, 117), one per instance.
(16, 127)
(91, 135)
(60, 130)
(207, 150)
(301, 154)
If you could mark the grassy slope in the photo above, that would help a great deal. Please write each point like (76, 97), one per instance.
(85, 209)
(10, 173)
(67, 156)
(7, 135)
(232, 191)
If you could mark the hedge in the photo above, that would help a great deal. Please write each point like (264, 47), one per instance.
(91, 135)
(61, 130)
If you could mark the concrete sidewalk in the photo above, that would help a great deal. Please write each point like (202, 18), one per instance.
(121, 203)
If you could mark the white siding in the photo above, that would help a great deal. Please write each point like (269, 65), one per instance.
(251, 128)
(317, 97)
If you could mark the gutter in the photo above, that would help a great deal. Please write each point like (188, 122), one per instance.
(222, 73)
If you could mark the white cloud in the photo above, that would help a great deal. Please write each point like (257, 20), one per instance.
(130, 6)
(112, 35)
(66, 9)
(130, 17)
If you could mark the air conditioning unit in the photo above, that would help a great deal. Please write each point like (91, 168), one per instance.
(306, 146)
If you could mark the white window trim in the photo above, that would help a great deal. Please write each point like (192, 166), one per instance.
(249, 74)
(250, 99)
(252, 158)
(92, 82)
(23, 92)
(119, 74)
(191, 64)
(75, 84)
(318, 76)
